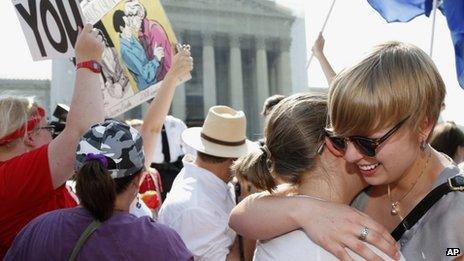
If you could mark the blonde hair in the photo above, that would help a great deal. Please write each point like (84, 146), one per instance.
(134, 122)
(294, 132)
(14, 112)
(393, 82)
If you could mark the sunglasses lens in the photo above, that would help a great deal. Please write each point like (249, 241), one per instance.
(338, 143)
(365, 146)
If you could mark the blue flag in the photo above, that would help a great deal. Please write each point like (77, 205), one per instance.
(401, 10)
(454, 12)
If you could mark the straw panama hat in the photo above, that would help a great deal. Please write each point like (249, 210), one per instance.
(223, 134)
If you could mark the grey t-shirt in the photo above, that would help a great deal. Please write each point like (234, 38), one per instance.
(440, 228)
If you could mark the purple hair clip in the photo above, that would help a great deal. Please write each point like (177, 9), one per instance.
(100, 157)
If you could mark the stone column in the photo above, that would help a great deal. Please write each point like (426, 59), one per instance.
(209, 73)
(62, 84)
(262, 80)
(235, 73)
(178, 107)
(284, 71)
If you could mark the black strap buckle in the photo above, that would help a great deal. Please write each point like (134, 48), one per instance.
(456, 183)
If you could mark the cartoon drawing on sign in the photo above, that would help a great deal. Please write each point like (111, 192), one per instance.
(150, 34)
(133, 54)
(116, 83)
(139, 50)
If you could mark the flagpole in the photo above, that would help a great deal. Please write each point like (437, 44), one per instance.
(322, 30)
(434, 12)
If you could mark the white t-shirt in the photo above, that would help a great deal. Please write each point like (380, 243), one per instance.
(174, 128)
(198, 208)
(296, 245)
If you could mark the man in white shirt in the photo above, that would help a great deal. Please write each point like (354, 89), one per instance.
(169, 151)
(201, 197)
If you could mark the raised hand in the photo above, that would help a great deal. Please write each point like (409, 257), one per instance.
(318, 47)
(89, 44)
(182, 64)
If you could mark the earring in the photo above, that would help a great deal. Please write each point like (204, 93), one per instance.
(138, 204)
(423, 145)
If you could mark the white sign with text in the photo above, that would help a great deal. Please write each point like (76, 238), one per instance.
(50, 26)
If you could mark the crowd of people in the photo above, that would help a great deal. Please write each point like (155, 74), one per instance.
(363, 172)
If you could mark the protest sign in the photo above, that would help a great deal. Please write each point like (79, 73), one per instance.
(50, 26)
(140, 45)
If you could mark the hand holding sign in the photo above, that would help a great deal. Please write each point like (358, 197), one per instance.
(182, 65)
(89, 45)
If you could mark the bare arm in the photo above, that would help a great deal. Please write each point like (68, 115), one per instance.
(86, 108)
(332, 226)
(159, 107)
(318, 50)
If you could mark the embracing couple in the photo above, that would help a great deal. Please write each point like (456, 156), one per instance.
(373, 152)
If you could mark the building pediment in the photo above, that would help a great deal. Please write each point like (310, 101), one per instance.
(243, 17)
(242, 7)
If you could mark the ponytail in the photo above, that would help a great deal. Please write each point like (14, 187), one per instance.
(96, 190)
(255, 168)
(294, 133)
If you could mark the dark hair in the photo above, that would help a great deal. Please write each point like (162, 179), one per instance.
(294, 133)
(97, 190)
(118, 20)
(270, 102)
(446, 138)
(210, 158)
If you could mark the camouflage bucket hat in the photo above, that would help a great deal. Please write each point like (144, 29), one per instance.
(120, 144)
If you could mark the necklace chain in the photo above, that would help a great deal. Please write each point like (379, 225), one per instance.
(395, 205)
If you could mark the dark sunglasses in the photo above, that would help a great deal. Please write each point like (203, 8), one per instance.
(49, 128)
(365, 146)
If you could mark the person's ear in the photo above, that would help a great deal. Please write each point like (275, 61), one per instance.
(425, 129)
(137, 181)
(331, 148)
(29, 139)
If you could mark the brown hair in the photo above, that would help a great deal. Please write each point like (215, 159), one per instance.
(294, 133)
(97, 190)
(446, 138)
(210, 158)
(14, 112)
(270, 102)
(395, 81)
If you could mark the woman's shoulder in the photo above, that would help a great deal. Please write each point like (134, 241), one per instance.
(155, 239)
(448, 171)
(55, 222)
(454, 198)
(59, 215)
(147, 226)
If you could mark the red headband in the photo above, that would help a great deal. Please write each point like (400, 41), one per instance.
(25, 128)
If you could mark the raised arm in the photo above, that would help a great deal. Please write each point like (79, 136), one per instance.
(318, 50)
(332, 226)
(154, 119)
(86, 108)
